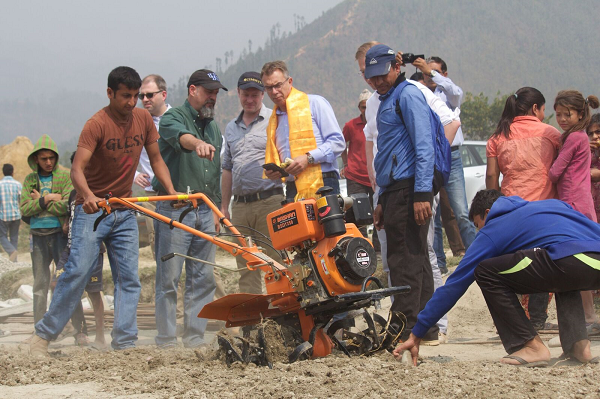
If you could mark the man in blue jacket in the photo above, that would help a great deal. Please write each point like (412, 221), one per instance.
(523, 248)
(404, 166)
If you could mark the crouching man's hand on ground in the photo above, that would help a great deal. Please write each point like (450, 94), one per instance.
(412, 345)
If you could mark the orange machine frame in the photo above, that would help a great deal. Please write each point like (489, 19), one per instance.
(244, 309)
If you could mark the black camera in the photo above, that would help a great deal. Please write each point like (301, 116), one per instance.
(409, 58)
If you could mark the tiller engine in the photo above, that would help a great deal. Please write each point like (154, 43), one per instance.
(313, 297)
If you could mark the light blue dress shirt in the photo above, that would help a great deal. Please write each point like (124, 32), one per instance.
(329, 137)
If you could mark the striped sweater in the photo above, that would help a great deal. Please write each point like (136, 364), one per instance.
(61, 184)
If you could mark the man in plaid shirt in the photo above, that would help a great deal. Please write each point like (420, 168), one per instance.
(10, 216)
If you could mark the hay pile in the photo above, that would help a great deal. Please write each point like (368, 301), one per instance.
(16, 153)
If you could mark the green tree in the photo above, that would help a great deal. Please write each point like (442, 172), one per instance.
(479, 117)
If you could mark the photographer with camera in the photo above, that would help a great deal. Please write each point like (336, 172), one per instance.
(435, 74)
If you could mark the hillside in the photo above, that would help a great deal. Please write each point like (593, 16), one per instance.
(489, 47)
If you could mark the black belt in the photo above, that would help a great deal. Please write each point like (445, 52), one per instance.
(325, 175)
(454, 148)
(401, 184)
(333, 175)
(258, 196)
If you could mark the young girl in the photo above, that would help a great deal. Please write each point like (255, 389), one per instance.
(593, 131)
(571, 170)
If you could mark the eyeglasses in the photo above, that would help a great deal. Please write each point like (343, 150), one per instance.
(149, 95)
(277, 86)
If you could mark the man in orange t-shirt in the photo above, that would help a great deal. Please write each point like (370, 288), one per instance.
(107, 156)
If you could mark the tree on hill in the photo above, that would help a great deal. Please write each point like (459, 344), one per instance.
(487, 46)
(479, 117)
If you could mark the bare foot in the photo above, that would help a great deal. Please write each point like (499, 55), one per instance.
(581, 351)
(533, 351)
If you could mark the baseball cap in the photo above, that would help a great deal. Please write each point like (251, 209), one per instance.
(207, 79)
(364, 95)
(378, 60)
(250, 80)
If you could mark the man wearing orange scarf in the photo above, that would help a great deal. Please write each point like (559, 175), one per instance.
(304, 129)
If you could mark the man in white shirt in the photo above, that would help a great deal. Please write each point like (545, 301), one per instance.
(435, 75)
(153, 95)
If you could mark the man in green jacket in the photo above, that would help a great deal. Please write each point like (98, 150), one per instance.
(190, 143)
(44, 200)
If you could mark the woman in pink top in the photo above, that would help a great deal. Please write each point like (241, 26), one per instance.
(571, 170)
(523, 149)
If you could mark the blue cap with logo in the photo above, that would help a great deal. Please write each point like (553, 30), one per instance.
(378, 60)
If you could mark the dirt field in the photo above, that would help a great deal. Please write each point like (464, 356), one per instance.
(466, 367)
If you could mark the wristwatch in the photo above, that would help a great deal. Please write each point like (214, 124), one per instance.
(432, 73)
(310, 158)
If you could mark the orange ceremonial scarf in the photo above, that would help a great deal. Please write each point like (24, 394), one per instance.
(302, 140)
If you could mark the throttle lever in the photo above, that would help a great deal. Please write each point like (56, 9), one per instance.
(184, 213)
(105, 205)
(104, 215)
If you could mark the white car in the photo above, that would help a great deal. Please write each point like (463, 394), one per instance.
(474, 163)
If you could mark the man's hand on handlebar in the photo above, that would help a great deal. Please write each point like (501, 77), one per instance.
(90, 204)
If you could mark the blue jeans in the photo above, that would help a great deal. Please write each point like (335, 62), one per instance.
(119, 231)
(199, 279)
(46, 249)
(9, 228)
(458, 201)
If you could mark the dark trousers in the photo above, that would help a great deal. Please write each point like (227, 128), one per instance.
(532, 271)
(538, 309)
(46, 249)
(407, 256)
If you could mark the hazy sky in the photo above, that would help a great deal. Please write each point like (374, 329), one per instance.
(48, 46)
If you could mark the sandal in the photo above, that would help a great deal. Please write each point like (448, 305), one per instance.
(524, 363)
(593, 360)
(81, 340)
(593, 329)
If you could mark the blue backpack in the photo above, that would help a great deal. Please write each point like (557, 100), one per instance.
(443, 155)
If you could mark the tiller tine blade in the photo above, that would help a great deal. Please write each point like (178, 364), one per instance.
(231, 354)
